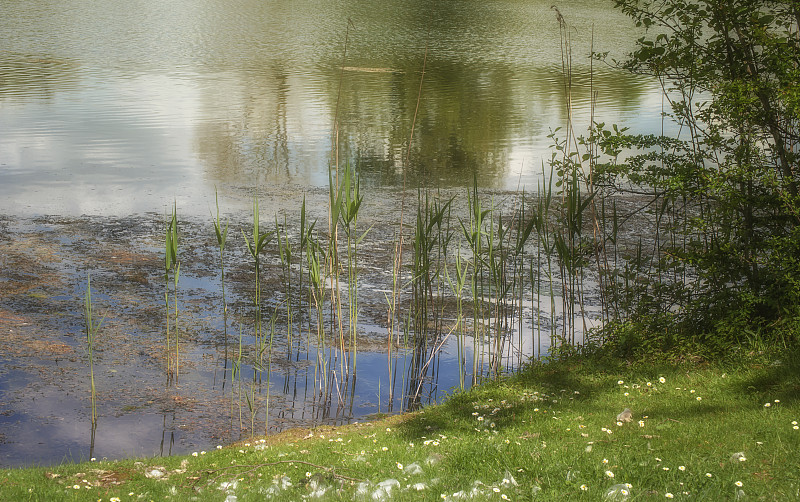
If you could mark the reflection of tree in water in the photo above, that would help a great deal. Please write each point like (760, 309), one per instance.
(471, 119)
(461, 128)
(276, 150)
(274, 122)
(465, 126)
(252, 142)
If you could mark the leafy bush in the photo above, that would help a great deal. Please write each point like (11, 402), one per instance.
(728, 264)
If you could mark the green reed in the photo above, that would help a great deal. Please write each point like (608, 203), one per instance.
(544, 251)
(496, 263)
(236, 376)
(316, 277)
(431, 238)
(457, 285)
(263, 346)
(493, 278)
(473, 231)
(92, 328)
(524, 229)
(172, 266)
(491, 271)
(488, 275)
(306, 232)
(391, 309)
(285, 253)
(255, 247)
(336, 204)
(505, 258)
(571, 247)
(222, 236)
(269, 369)
(350, 200)
(250, 399)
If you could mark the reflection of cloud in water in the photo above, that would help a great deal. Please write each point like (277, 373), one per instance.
(110, 146)
(50, 423)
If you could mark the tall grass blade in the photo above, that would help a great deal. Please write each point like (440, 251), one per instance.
(92, 328)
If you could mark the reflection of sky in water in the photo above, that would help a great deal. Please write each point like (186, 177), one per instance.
(53, 425)
(77, 153)
(121, 110)
(53, 418)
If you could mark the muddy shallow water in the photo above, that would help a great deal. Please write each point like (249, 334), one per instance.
(45, 402)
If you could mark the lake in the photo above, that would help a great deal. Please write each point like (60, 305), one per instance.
(121, 108)
(112, 112)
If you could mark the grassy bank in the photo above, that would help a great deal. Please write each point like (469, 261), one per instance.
(699, 431)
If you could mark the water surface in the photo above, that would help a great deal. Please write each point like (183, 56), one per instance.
(121, 107)
(110, 111)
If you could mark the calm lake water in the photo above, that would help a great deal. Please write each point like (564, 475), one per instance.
(120, 107)
(110, 111)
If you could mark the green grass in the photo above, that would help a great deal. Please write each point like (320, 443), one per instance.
(548, 433)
